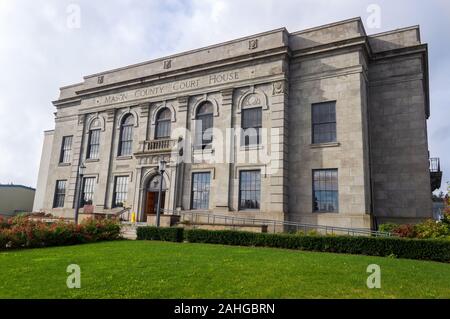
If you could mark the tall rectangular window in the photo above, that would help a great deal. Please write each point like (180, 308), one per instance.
(251, 126)
(120, 191)
(200, 190)
(325, 190)
(60, 194)
(126, 141)
(249, 190)
(66, 149)
(93, 144)
(87, 191)
(324, 122)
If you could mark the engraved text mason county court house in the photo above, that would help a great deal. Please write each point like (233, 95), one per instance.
(324, 126)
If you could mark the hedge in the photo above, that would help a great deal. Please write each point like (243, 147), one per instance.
(164, 234)
(436, 250)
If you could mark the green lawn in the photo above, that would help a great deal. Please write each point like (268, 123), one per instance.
(142, 269)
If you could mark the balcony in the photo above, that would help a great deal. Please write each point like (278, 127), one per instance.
(156, 147)
(435, 174)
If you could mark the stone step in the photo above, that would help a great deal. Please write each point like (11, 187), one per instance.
(128, 232)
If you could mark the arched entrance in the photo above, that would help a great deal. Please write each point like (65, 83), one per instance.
(151, 195)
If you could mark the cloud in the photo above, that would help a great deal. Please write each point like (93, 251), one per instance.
(39, 52)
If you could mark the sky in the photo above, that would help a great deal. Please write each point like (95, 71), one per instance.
(48, 44)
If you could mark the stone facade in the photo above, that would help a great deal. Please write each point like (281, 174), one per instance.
(379, 84)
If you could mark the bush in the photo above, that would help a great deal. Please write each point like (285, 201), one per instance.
(4, 223)
(25, 233)
(173, 234)
(437, 250)
(405, 231)
(429, 229)
(387, 228)
(432, 229)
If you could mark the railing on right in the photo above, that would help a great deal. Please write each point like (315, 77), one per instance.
(196, 217)
(435, 173)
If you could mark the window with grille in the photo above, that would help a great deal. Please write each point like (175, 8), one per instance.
(325, 190)
(60, 194)
(93, 144)
(120, 191)
(66, 149)
(87, 191)
(324, 122)
(204, 126)
(126, 136)
(249, 190)
(163, 123)
(251, 126)
(200, 190)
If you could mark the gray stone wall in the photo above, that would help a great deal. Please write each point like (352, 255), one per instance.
(399, 147)
(322, 78)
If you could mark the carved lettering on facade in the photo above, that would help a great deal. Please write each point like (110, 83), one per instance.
(253, 44)
(167, 64)
(167, 88)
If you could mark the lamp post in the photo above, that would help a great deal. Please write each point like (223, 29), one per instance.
(161, 168)
(81, 170)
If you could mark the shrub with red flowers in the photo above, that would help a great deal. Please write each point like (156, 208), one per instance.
(23, 232)
(405, 231)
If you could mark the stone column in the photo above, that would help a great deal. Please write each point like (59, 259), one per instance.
(223, 168)
(141, 135)
(77, 153)
(179, 169)
(107, 147)
(279, 161)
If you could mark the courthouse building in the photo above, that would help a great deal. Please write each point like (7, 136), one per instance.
(339, 123)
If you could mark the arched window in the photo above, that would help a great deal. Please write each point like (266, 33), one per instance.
(163, 120)
(204, 125)
(126, 136)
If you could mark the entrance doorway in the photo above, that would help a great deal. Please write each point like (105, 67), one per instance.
(151, 202)
(151, 195)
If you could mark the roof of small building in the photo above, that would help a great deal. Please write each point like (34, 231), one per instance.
(16, 186)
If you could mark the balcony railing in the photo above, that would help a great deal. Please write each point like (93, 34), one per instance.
(435, 174)
(157, 146)
(435, 165)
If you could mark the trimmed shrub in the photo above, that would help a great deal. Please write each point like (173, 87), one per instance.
(173, 234)
(437, 250)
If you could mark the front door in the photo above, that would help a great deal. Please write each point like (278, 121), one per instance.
(151, 202)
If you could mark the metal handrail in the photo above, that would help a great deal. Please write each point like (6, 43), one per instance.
(122, 212)
(276, 224)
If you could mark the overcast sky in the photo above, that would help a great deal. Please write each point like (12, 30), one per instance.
(43, 48)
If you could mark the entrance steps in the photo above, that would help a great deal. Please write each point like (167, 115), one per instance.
(128, 230)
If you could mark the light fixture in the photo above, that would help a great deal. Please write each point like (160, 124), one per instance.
(162, 165)
(81, 169)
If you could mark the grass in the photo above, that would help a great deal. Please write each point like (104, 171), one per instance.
(143, 269)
